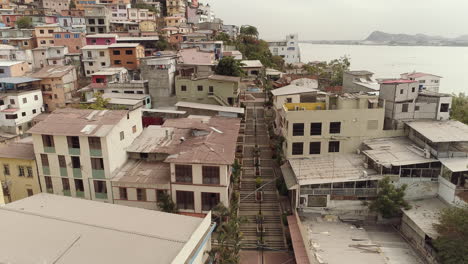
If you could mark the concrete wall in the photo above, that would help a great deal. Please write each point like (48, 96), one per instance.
(96, 62)
(160, 75)
(419, 188)
(25, 111)
(223, 90)
(18, 185)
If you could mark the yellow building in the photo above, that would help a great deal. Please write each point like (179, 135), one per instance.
(148, 26)
(18, 173)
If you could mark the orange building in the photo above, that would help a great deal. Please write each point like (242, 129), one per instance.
(126, 55)
(73, 40)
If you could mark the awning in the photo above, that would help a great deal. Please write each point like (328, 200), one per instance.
(289, 177)
(455, 164)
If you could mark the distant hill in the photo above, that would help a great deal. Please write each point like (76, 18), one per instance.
(379, 37)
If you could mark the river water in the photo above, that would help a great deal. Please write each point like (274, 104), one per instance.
(389, 61)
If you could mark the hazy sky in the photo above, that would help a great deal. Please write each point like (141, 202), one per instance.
(345, 19)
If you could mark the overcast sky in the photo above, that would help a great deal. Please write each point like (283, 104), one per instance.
(345, 19)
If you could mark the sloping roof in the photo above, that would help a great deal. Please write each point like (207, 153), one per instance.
(419, 74)
(144, 172)
(455, 164)
(441, 131)
(152, 139)
(292, 89)
(9, 63)
(79, 122)
(399, 81)
(53, 71)
(124, 45)
(251, 64)
(219, 108)
(59, 229)
(289, 177)
(24, 151)
(17, 80)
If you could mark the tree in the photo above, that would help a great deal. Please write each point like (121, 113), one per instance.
(162, 43)
(223, 37)
(99, 104)
(166, 204)
(338, 67)
(24, 22)
(249, 31)
(72, 4)
(459, 109)
(390, 199)
(278, 62)
(452, 243)
(229, 66)
(143, 5)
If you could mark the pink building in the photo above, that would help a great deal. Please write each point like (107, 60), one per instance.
(101, 39)
(51, 20)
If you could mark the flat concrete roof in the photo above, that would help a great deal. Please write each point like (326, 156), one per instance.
(395, 151)
(251, 64)
(425, 213)
(293, 89)
(331, 168)
(455, 164)
(219, 108)
(157, 174)
(49, 228)
(441, 131)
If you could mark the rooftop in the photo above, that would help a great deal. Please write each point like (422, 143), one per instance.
(441, 131)
(251, 64)
(59, 229)
(144, 172)
(395, 151)
(219, 108)
(95, 47)
(16, 150)
(331, 168)
(152, 38)
(102, 36)
(193, 56)
(433, 94)
(293, 89)
(79, 122)
(425, 213)
(419, 74)
(397, 81)
(53, 71)
(360, 73)
(18, 80)
(456, 164)
(224, 78)
(152, 140)
(9, 63)
(124, 45)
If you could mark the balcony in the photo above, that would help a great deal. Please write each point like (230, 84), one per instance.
(99, 174)
(63, 172)
(74, 151)
(342, 191)
(95, 152)
(46, 170)
(49, 149)
(101, 195)
(304, 106)
(77, 172)
(80, 194)
(66, 192)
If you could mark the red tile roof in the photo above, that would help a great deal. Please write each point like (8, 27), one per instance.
(397, 81)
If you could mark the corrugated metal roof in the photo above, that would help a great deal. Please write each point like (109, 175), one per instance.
(17, 80)
(441, 131)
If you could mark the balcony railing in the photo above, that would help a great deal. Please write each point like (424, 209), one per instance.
(67, 192)
(46, 170)
(63, 172)
(80, 194)
(49, 149)
(342, 191)
(95, 152)
(101, 195)
(74, 151)
(77, 172)
(99, 174)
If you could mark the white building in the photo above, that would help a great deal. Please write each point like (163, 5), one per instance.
(53, 56)
(21, 101)
(95, 58)
(55, 229)
(287, 49)
(78, 150)
(429, 82)
(212, 46)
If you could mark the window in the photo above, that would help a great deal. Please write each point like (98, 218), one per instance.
(62, 162)
(14, 116)
(90, 63)
(67, 36)
(76, 36)
(314, 147)
(413, 89)
(210, 174)
(66, 184)
(44, 160)
(209, 200)
(122, 135)
(297, 148)
(25, 100)
(12, 101)
(36, 98)
(183, 173)
(117, 62)
(372, 124)
(334, 146)
(444, 108)
(30, 172)
(401, 91)
(21, 172)
(123, 193)
(50, 31)
(58, 36)
(416, 108)
(76, 164)
(6, 169)
(422, 81)
(97, 163)
(183, 88)
(41, 31)
(2, 70)
(100, 187)
(23, 114)
(34, 111)
(210, 90)
(103, 64)
(93, 41)
(79, 187)
(48, 183)
(48, 141)
(116, 52)
(30, 192)
(335, 127)
(129, 62)
(101, 54)
(94, 143)
(134, 129)
(129, 52)
(73, 142)
(184, 200)
(141, 194)
(298, 129)
(200, 88)
(404, 108)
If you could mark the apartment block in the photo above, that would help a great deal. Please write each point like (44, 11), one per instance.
(95, 57)
(97, 19)
(13, 68)
(160, 73)
(79, 150)
(287, 49)
(126, 55)
(426, 81)
(74, 41)
(45, 34)
(54, 56)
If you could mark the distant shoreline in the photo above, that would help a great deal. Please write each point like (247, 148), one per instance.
(377, 44)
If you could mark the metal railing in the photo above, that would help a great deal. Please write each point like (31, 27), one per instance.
(342, 191)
